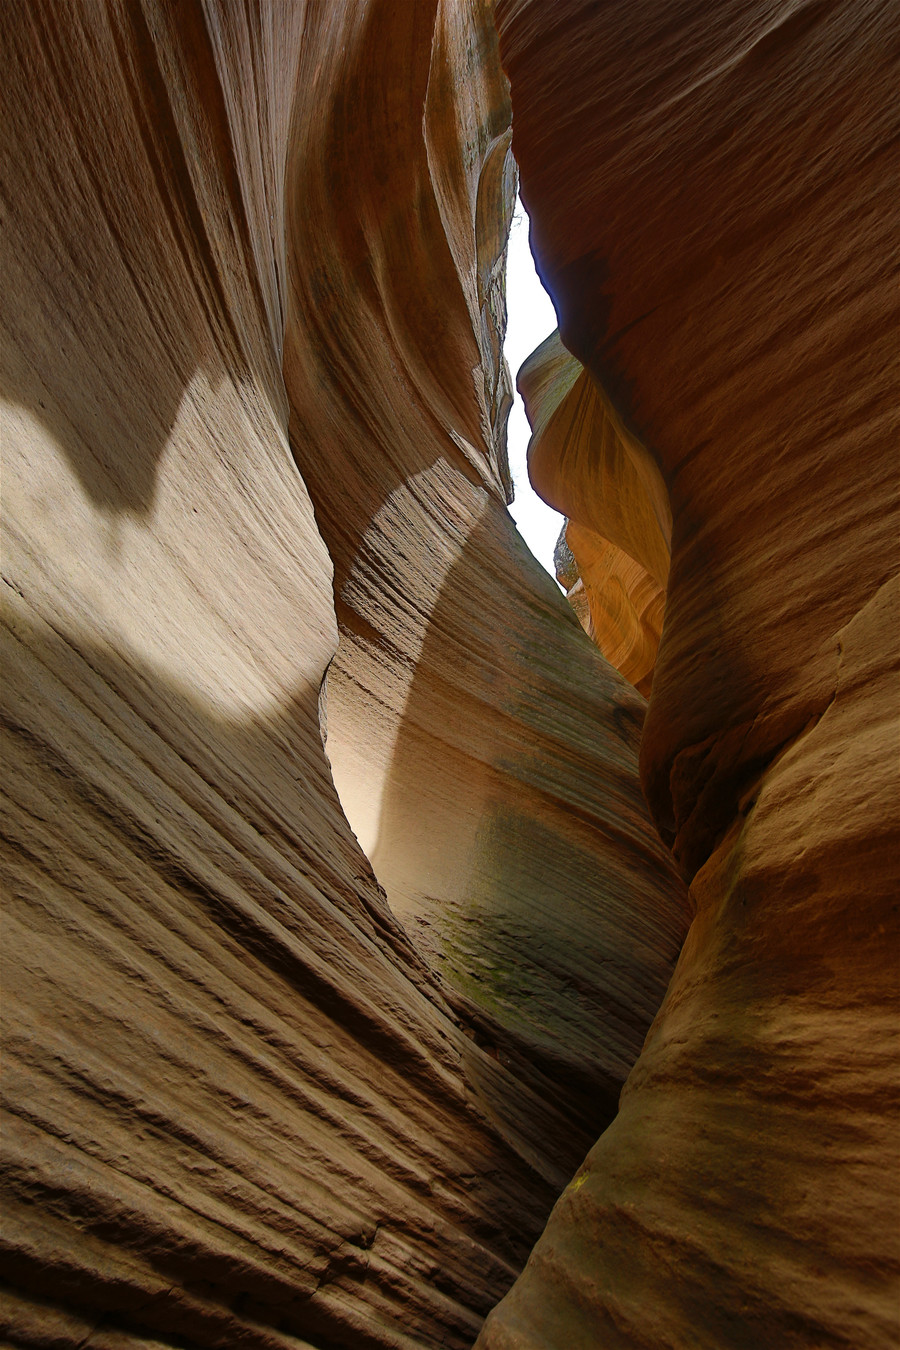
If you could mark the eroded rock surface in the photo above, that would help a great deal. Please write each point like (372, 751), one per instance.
(243, 1105)
(620, 606)
(456, 718)
(713, 206)
(584, 461)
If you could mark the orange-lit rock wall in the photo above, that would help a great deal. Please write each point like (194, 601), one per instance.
(584, 461)
(264, 1086)
(713, 203)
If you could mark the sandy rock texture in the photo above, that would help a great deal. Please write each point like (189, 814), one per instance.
(272, 1081)
(483, 754)
(713, 202)
(584, 461)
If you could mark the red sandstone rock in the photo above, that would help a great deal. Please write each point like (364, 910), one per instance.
(244, 1106)
(712, 196)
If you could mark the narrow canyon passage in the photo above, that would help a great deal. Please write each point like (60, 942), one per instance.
(321, 1045)
(484, 755)
(248, 1102)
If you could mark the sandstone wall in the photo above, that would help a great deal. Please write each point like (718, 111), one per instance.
(243, 1104)
(713, 201)
(483, 754)
(583, 460)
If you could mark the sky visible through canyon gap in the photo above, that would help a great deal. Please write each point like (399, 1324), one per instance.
(531, 318)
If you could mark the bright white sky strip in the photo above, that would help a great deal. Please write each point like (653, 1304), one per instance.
(531, 318)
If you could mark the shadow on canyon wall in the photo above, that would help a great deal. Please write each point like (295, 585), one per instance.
(513, 840)
(111, 274)
(192, 836)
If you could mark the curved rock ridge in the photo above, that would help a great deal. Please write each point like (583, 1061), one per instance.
(584, 462)
(243, 1106)
(618, 603)
(511, 841)
(713, 209)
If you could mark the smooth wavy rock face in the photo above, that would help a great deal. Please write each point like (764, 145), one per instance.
(583, 460)
(713, 205)
(243, 1106)
(625, 605)
(483, 754)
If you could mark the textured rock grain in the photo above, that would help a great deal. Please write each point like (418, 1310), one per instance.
(242, 1107)
(583, 460)
(714, 209)
(456, 718)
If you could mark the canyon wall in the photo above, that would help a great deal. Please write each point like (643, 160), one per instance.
(714, 209)
(285, 1068)
(585, 462)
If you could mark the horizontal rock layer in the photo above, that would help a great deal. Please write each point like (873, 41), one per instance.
(712, 204)
(243, 1104)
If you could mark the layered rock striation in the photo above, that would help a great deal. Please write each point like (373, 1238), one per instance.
(584, 461)
(458, 714)
(270, 1080)
(713, 209)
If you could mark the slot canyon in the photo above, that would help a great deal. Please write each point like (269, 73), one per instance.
(387, 965)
